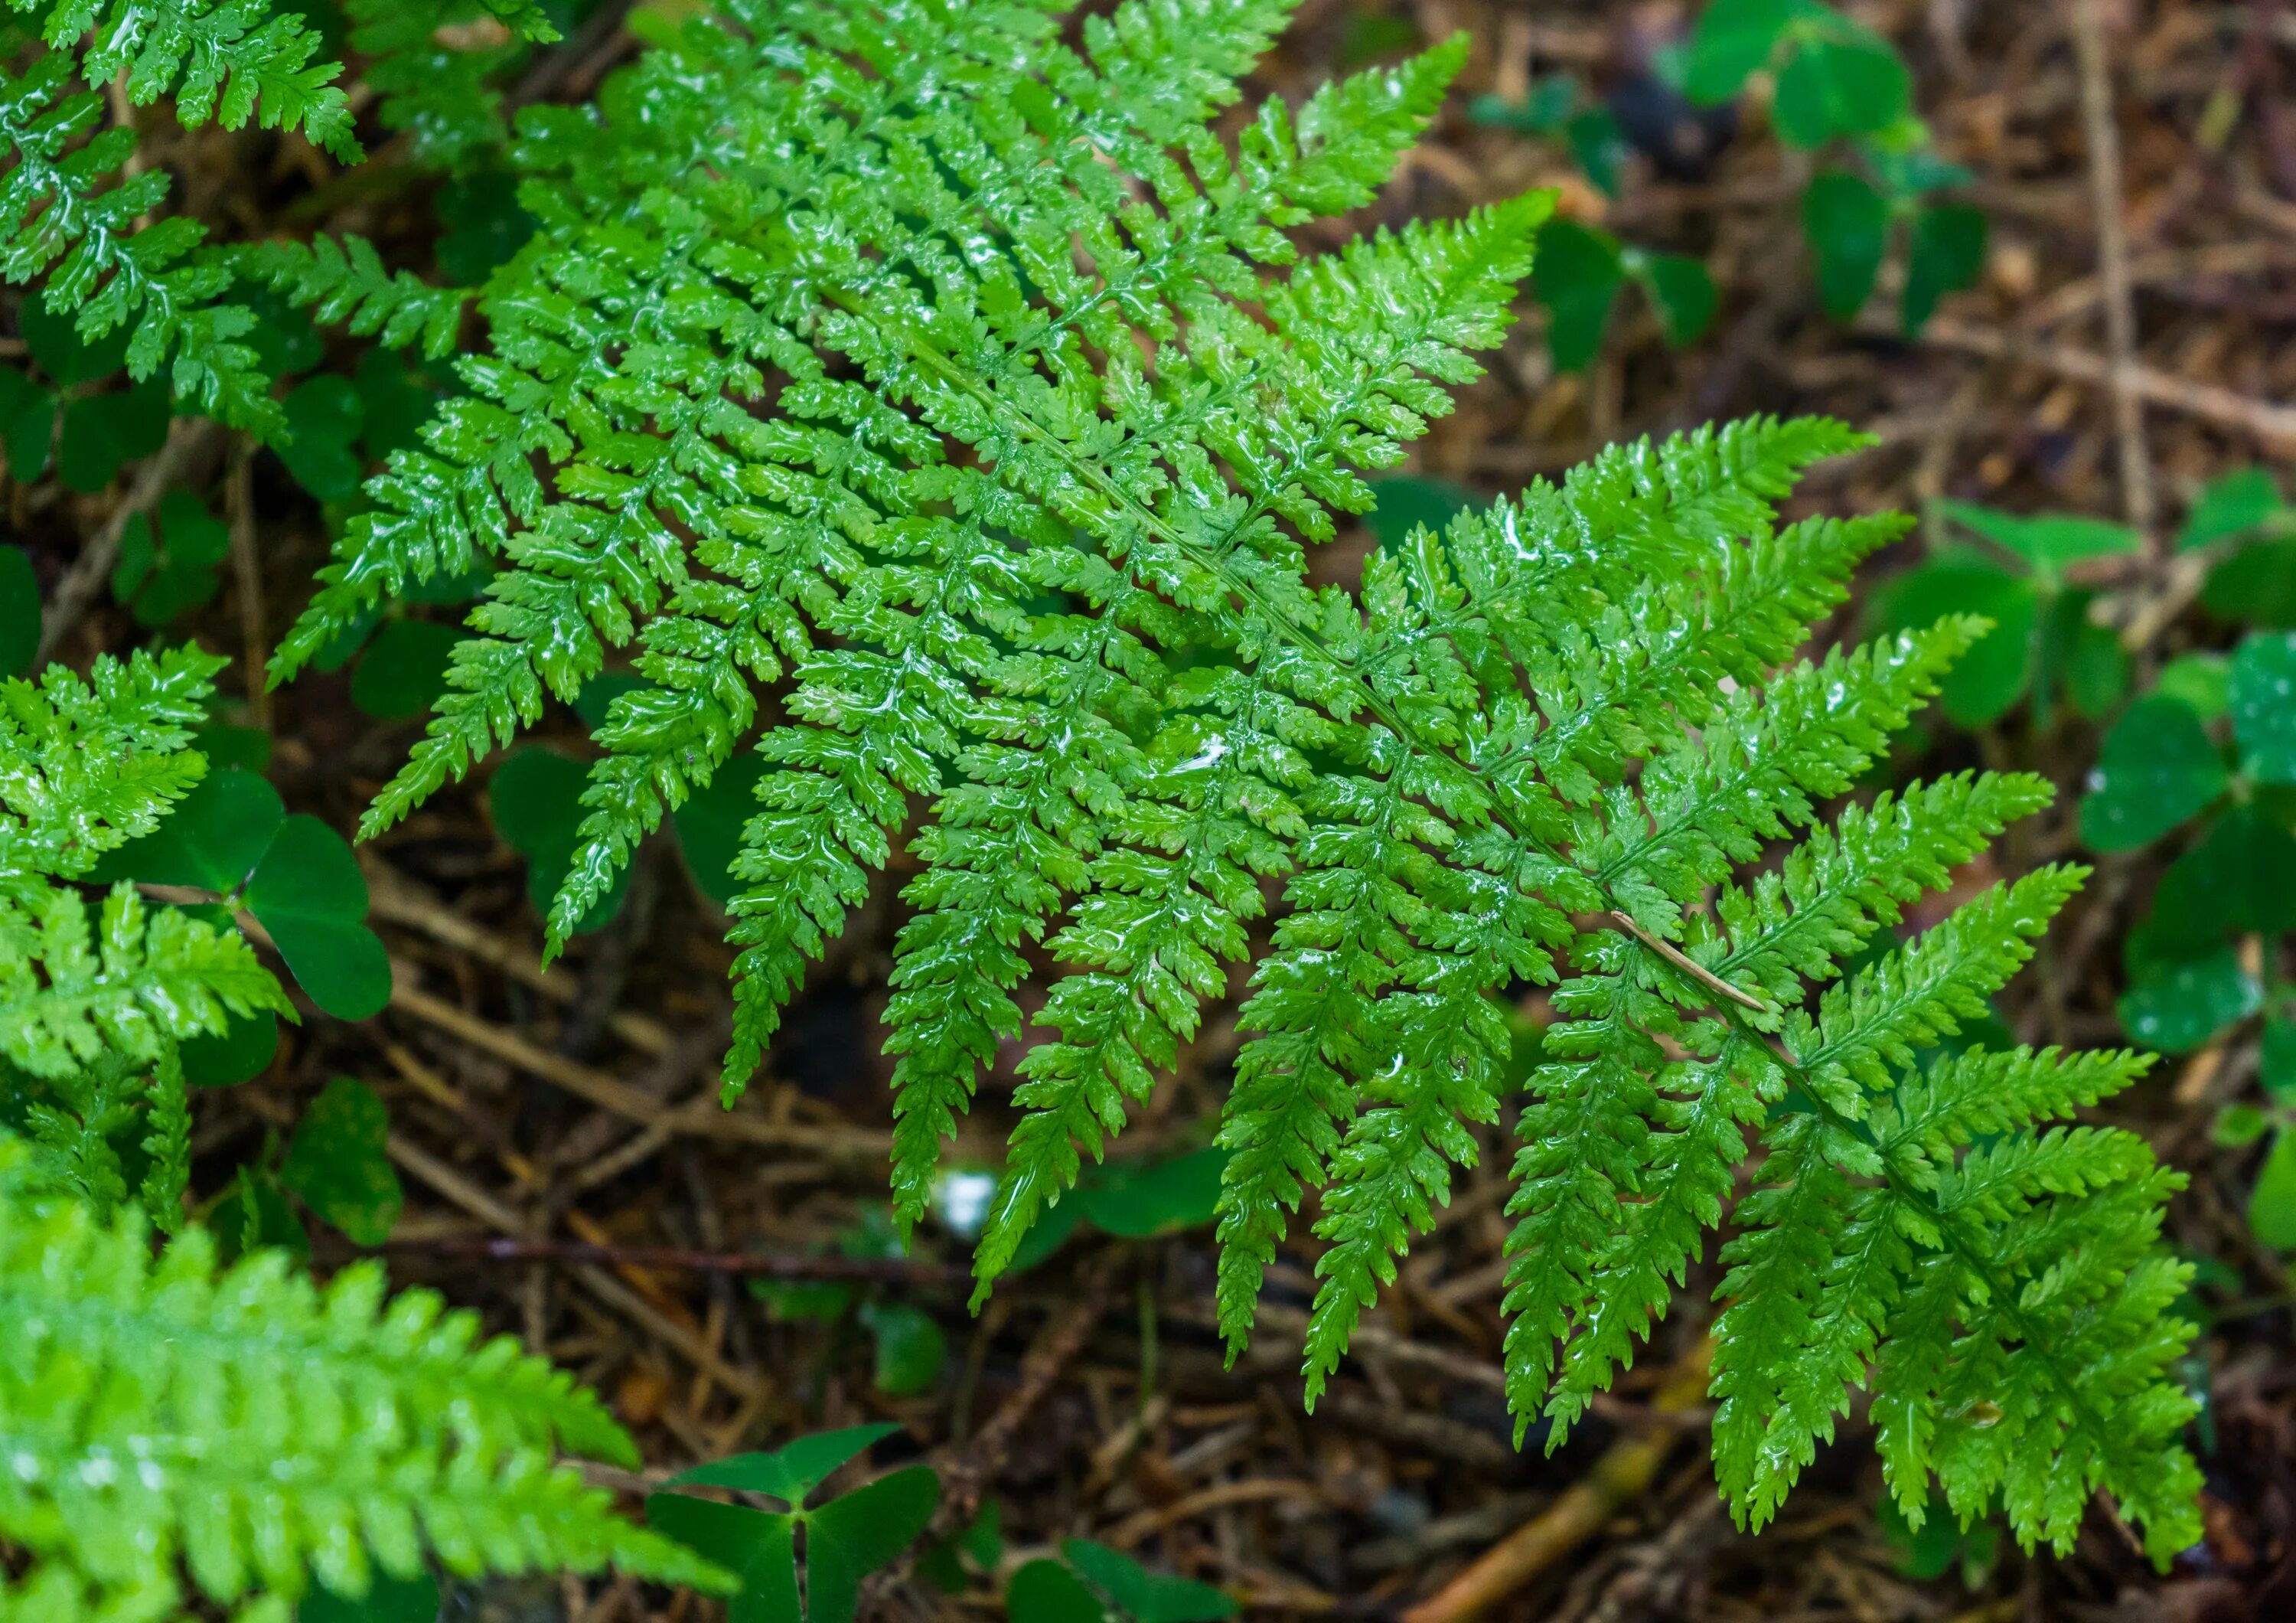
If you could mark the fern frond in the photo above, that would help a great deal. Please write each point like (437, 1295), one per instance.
(264, 1432)
(344, 283)
(225, 60)
(957, 381)
(429, 64)
(126, 984)
(88, 763)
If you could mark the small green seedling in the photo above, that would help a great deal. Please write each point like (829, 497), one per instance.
(1094, 1584)
(834, 1545)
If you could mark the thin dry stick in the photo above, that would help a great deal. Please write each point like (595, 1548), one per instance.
(188, 439)
(1618, 1478)
(400, 901)
(1689, 966)
(2226, 408)
(610, 1093)
(2113, 259)
(445, 1181)
(514, 1248)
(239, 495)
(966, 1477)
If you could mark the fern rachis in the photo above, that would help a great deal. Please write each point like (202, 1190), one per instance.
(959, 384)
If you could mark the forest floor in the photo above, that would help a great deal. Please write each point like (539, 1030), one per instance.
(572, 1108)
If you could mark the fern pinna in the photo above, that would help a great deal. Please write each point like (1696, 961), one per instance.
(957, 382)
(95, 1002)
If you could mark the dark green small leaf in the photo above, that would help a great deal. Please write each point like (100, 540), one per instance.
(27, 424)
(709, 825)
(979, 1542)
(2095, 671)
(759, 1547)
(404, 669)
(790, 1472)
(2237, 1126)
(2202, 680)
(1683, 293)
(2262, 700)
(1847, 223)
(1988, 680)
(483, 225)
(2278, 1060)
(212, 840)
(388, 1599)
(1142, 1595)
(1734, 40)
(2244, 499)
(1840, 87)
(1577, 276)
(308, 893)
(56, 344)
(2272, 1207)
(20, 611)
(336, 1161)
(2239, 879)
(2178, 1007)
(2158, 768)
(2256, 585)
(2049, 542)
(1600, 146)
(1048, 1591)
(394, 403)
(849, 1538)
(1047, 1234)
(168, 569)
(243, 1053)
(536, 798)
(1134, 1201)
(98, 433)
(255, 1214)
(1923, 1553)
(1407, 501)
(1947, 255)
(285, 340)
(325, 414)
(911, 1348)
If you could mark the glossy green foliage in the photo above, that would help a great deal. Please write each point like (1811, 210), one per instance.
(278, 1433)
(231, 836)
(2043, 647)
(76, 218)
(845, 1539)
(1023, 530)
(337, 1164)
(1091, 1583)
(1836, 86)
(909, 1347)
(437, 66)
(99, 993)
(1581, 272)
(2200, 768)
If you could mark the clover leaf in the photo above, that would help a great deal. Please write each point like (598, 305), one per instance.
(337, 1164)
(308, 893)
(2262, 701)
(2157, 769)
(2176, 1008)
(845, 1539)
(536, 799)
(20, 611)
(403, 670)
(1094, 1584)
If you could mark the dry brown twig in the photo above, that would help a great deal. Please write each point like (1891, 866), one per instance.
(1617, 1479)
